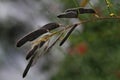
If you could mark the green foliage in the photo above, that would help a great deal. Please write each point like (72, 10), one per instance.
(102, 60)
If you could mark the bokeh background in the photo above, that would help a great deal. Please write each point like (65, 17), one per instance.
(91, 53)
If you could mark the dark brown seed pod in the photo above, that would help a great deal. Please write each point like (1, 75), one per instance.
(51, 26)
(89, 11)
(32, 51)
(28, 66)
(70, 14)
(73, 12)
(31, 36)
(68, 34)
(35, 34)
(80, 10)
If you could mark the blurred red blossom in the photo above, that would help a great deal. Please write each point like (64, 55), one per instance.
(80, 48)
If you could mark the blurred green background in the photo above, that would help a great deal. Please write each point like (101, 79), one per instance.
(93, 49)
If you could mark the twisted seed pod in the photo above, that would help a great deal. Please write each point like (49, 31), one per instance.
(35, 34)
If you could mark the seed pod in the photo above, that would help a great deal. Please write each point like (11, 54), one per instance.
(35, 34)
(70, 14)
(50, 26)
(80, 10)
(68, 34)
(31, 52)
(28, 66)
(73, 12)
(88, 11)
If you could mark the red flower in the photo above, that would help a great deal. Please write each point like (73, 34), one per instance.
(80, 48)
